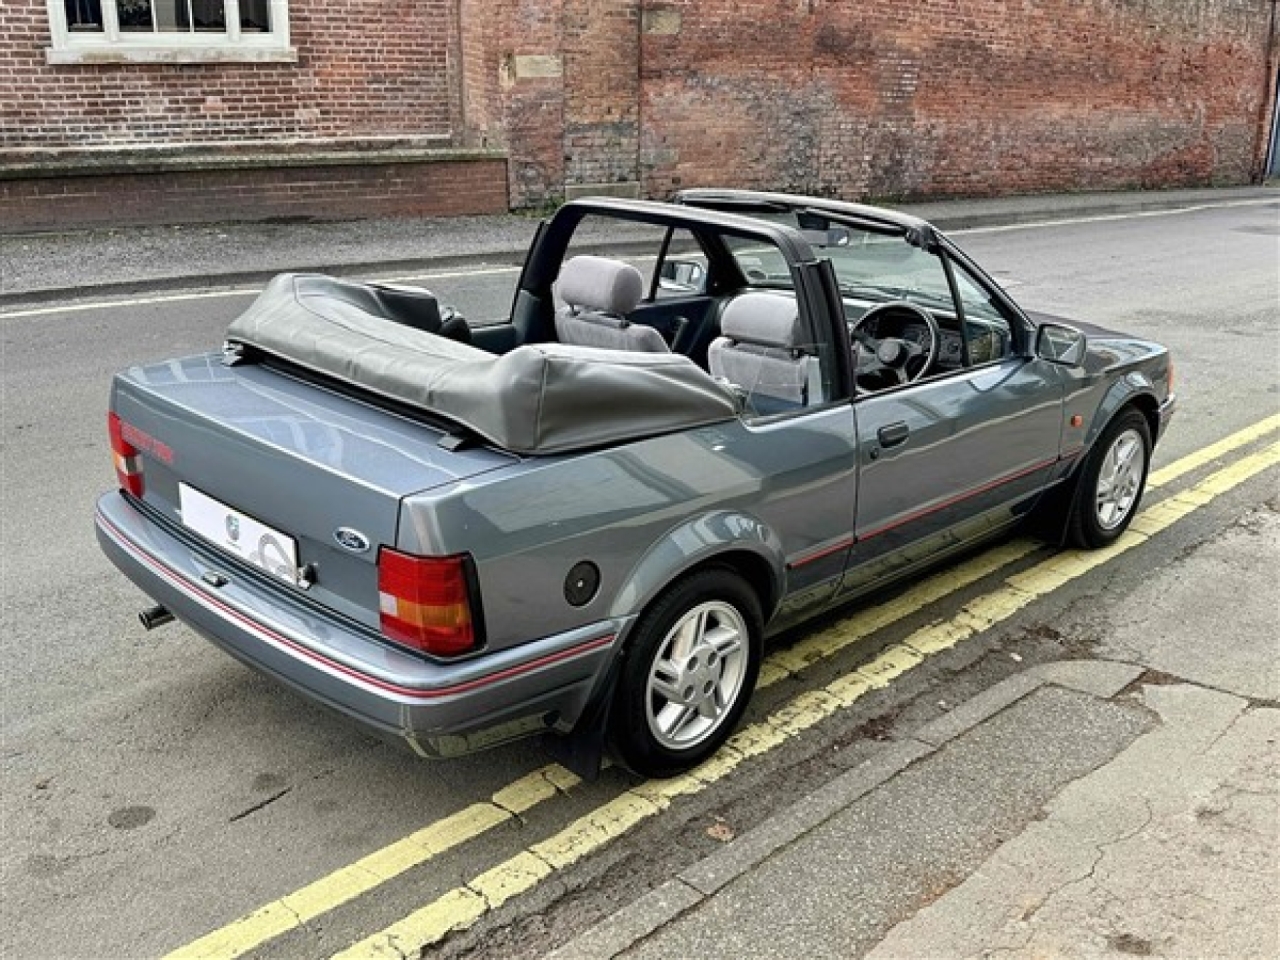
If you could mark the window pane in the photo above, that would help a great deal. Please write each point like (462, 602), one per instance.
(171, 16)
(762, 264)
(84, 15)
(595, 230)
(877, 267)
(208, 14)
(683, 272)
(989, 334)
(255, 15)
(135, 15)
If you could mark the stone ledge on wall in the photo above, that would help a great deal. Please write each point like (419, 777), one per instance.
(24, 164)
(297, 186)
(626, 190)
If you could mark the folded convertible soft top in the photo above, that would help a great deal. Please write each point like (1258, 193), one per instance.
(543, 398)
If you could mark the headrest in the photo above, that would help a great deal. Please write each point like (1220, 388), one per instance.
(598, 283)
(768, 319)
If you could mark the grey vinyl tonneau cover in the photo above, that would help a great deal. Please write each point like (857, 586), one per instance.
(537, 399)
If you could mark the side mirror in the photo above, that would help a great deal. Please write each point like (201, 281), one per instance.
(1058, 343)
(684, 276)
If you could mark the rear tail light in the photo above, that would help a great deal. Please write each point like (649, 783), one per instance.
(428, 603)
(1169, 377)
(127, 458)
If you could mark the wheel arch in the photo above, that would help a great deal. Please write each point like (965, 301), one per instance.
(729, 539)
(1149, 408)
(752, 568)
(1135, 390)
(1053, 511)
(1057, 509)
(710, 692)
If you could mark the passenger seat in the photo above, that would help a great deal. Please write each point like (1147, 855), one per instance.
(598, 294)
(762, 351)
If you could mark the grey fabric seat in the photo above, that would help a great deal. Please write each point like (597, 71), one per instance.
(761, 350)
(598, 294)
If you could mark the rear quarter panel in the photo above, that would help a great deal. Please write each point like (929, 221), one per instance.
(643, 513)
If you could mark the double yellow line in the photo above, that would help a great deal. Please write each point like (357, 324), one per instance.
(464, 905)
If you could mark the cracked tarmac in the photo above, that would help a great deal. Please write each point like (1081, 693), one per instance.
(904, 845)
(1194, 876)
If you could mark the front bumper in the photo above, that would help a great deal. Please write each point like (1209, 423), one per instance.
(1167, 410)
(439, 709)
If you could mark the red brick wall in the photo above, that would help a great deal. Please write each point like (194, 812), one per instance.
(347, 191)
(602, 90)
(501, 108)
(877, 98)
(885, 98)
(953, 97)
(478, 29)
(366, 68)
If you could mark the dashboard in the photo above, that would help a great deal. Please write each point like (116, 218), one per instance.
(949, 353)
(987, 341)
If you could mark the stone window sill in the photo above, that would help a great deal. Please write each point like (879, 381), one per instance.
(124, 53)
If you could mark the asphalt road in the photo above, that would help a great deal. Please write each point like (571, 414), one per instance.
(154, 789)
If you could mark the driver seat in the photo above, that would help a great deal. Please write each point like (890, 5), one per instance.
(762, 350)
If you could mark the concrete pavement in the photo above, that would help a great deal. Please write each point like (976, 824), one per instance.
(50, 266)
(1092, 808)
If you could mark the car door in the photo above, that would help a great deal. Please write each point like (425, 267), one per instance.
(960, 454)
(802, 447)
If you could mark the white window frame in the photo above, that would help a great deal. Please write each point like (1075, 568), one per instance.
(112, 45)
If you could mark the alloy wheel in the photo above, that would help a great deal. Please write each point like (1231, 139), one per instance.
(1119, 479)
(697, 675)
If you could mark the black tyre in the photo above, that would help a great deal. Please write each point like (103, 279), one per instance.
(688, 674)
(1111, 482)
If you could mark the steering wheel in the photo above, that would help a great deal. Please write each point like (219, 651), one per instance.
(896, 356)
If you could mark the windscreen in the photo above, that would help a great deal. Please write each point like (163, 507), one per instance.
(875, 265)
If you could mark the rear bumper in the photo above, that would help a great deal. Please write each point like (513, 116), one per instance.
(439, 709)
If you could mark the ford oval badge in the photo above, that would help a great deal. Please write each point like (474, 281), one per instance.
(349, 539)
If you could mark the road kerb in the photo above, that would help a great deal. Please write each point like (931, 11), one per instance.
(622, 930)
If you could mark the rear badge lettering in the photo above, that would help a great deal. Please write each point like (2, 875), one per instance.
(349, 539)
(145, 442)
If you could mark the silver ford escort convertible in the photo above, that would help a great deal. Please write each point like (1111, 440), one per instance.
(588, 519)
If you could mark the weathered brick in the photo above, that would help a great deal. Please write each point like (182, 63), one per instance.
(402, 189)
(394, 82)
(934, 98)
(878, 98)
